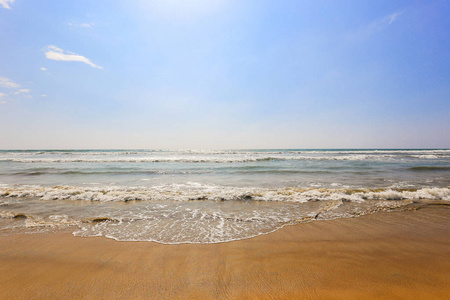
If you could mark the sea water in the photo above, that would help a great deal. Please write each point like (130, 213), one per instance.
(200, 196)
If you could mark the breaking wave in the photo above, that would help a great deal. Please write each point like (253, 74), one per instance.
(212, 159)
(197, 191)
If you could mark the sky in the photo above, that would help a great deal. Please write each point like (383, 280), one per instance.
(205, 74)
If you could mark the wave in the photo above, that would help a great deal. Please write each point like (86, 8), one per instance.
(106, 172)
(202, 192)
(397, 152)
(216, 156)
(192, 222)
(161, 172)
(12, 215)
(194, 159)
(427, 156)
(430, 168)
(30, 221)
(138, 160)
(193, 212)
(195, 222)
(281, 171)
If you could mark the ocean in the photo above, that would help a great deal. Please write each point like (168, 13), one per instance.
(200, 196)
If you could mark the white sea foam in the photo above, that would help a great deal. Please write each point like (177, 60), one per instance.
(128, 195)
(6, 214)
(196, 191)
(215, 156)
(429, 156)
(205, 151)
(195, 159)
(53, 221)
(191, 212)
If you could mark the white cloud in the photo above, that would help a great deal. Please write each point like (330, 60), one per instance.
(82, 25)
(8, 83)
(391, 18)
(376, 26)
(21, 91)
(44, 69)
(43, 95)
(384, 22)
(6, 3)
(55, 53)
(15, 87)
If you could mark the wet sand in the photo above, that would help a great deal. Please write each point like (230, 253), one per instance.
(401, 255)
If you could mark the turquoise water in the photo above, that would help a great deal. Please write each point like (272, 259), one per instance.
(200, 196)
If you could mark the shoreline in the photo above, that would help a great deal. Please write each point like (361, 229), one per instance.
(399, 254)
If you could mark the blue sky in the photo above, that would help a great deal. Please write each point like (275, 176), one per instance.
(224, 74)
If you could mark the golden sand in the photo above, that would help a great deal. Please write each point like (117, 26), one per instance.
(396, 255)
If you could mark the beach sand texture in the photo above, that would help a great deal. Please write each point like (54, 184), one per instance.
(396, 255)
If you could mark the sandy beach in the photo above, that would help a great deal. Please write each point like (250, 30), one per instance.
(401, 255)
(224, 150)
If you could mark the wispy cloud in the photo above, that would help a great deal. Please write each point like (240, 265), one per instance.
(44, 69)
(22, 91)
(375, 26)
(8, 83)
(392, 17)
(383, 22)
(14, 89)
(55, 53)
(82, 25)
(6, 3)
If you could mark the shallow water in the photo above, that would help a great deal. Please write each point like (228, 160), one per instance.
(191, 196)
